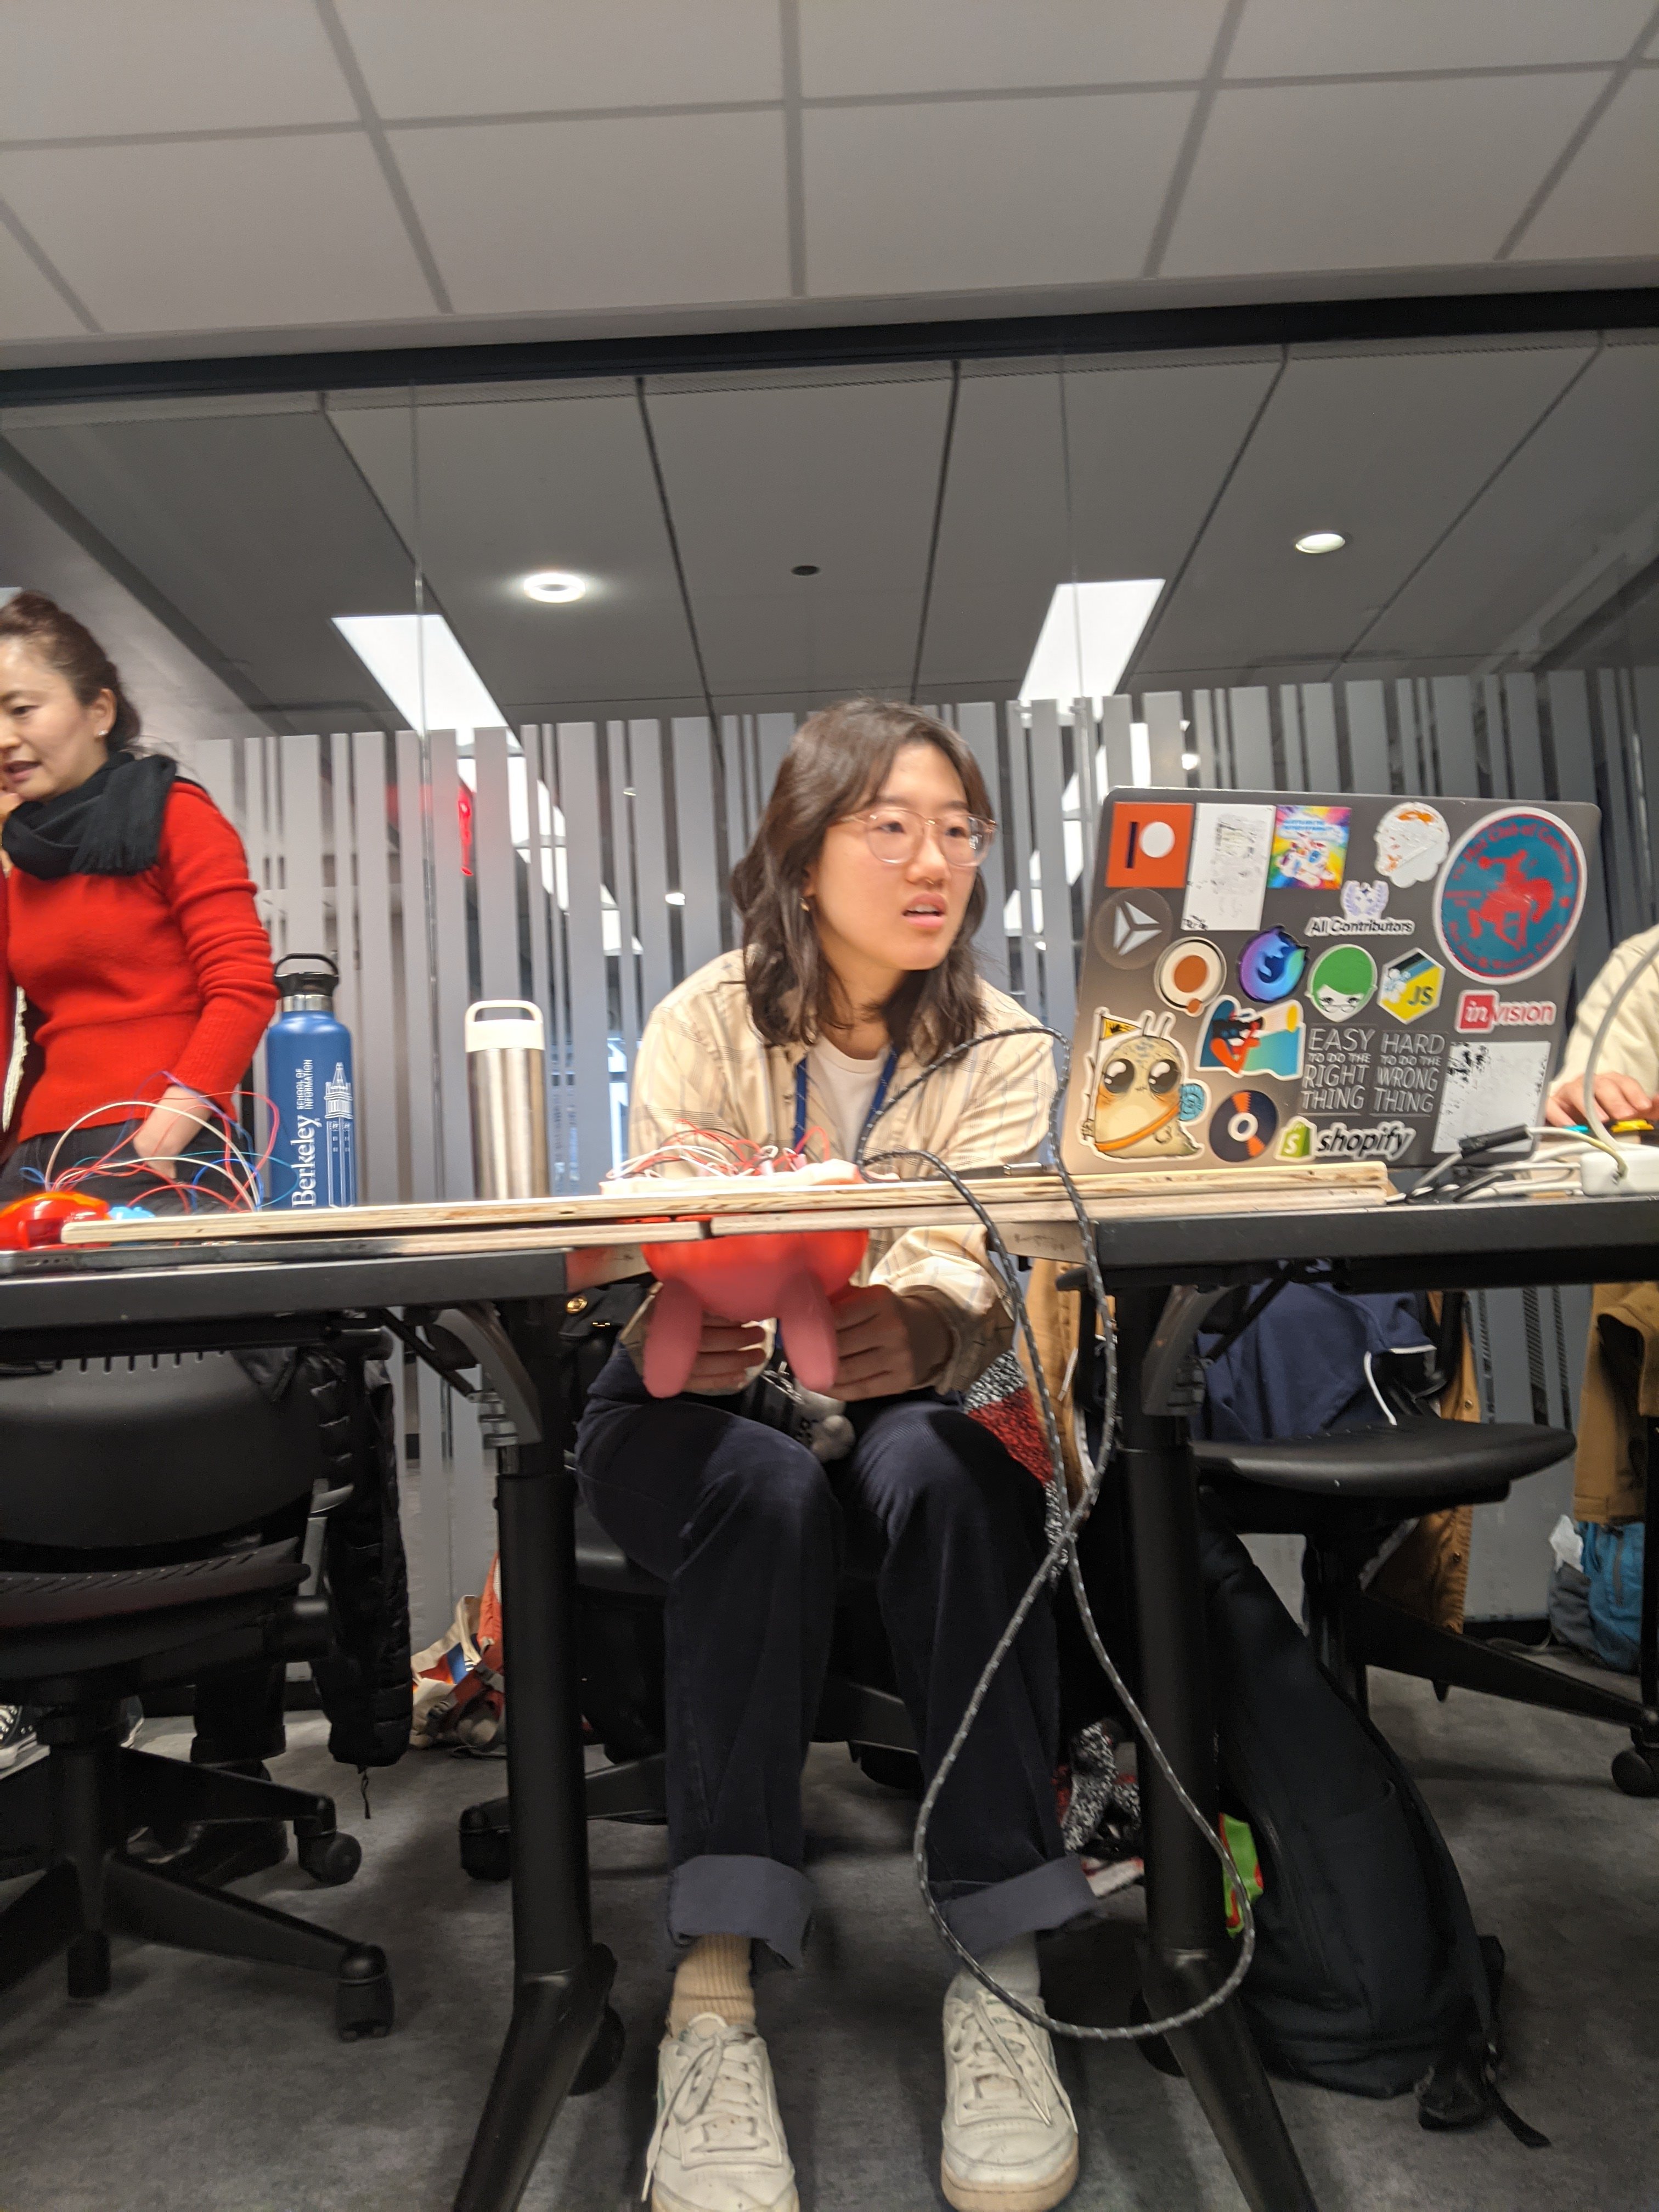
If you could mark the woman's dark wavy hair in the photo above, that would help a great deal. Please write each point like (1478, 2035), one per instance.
(838, 762)
(70, 647)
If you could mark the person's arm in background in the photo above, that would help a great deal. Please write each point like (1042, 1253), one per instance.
(1627, 1075)
(204, 876)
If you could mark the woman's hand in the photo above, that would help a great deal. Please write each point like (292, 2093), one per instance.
(728, 1353)
(1621, 1098)
(176, 1120)
(885, 1344)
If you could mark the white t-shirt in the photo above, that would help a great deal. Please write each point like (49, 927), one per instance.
(845, 1089)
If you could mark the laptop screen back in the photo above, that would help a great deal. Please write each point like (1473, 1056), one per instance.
(1290, 979)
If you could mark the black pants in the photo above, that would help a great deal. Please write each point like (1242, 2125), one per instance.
(747, 1529)
(128, 1180)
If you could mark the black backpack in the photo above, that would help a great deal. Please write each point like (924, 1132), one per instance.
(1369, 1975)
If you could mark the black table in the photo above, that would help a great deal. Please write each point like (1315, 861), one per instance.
(91, 1300)
(112, 1300)
(1160, 1271)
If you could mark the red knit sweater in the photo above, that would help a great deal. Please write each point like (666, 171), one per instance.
(133, 982)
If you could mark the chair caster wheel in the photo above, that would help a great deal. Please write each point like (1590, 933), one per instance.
(362, 1995)
(604, 2055)
(486, 1849)
(331, 1859)
(1152, 2048)
(1636, 1772)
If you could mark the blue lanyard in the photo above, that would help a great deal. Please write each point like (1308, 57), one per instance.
(888, 1066)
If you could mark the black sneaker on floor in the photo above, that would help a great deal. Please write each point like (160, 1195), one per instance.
(19, 1746)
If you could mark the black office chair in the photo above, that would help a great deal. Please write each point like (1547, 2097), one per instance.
(152, 1511)
(1345, 1493)
(620, 1639)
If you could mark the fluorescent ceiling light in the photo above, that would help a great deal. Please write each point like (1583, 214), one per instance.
(555, 587)
(417, 661)
(1321, 541)
(1087, 637)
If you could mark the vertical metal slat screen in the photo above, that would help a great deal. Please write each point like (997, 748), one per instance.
(595, 882)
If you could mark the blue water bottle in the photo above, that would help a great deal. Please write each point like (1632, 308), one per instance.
(308, 1077)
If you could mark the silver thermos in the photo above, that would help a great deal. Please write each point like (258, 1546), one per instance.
(507, 1086)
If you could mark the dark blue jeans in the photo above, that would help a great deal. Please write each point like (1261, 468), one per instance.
(129, 1183)
(747, 1529)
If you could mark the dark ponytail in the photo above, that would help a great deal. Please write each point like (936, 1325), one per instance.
(70, 647)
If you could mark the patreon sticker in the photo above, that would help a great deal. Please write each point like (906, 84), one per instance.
(1149, 844)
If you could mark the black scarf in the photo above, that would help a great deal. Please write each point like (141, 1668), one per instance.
(110, 826)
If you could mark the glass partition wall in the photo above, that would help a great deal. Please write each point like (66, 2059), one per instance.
(528, 655)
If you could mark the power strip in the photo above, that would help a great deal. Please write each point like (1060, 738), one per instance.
(1598, 1177)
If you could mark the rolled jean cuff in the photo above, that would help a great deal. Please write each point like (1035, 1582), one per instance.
(1045, 1897)
(724, 1893)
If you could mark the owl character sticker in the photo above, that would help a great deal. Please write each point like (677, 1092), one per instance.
(1135, 1090)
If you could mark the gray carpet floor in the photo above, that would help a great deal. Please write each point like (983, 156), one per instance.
(200, 2086)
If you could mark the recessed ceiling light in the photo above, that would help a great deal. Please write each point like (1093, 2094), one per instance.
(1189, 760)
(674, 898)
(1321, 541)
(555, 587)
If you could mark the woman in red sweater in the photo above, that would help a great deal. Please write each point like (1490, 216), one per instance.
(126, 918)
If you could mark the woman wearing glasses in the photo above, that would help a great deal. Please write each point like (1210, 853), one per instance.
(859, 898)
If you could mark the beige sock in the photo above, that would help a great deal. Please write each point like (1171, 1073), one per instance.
(713, 1977)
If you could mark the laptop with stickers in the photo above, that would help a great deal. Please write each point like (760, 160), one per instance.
(1292, 978)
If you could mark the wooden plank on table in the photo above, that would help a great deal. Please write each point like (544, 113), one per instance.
(574, 1237)
(875, 1202)
(1047, 1212)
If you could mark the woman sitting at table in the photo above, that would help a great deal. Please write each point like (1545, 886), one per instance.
(127, 917)
(859, 898)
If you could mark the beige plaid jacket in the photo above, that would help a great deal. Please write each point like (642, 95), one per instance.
(702, 1063)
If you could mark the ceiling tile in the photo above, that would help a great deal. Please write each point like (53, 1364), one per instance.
(246, 234)
(671, 210)
(30, 307)
(513, 57)
(1583, 477)
(1149, 446)
(144, 65)
(843, 475)
(1607, 203)
(257, 528)
(508, 487)
(1017, 193)
(1370, 176)
(1385, 447)
(1288, 37)
(970, 45)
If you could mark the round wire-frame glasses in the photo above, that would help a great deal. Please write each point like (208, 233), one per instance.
(894, 834)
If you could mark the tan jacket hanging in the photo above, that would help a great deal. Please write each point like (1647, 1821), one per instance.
(1620, 1392)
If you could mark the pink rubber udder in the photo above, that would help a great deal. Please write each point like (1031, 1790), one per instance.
(671, 1339)
(808, 1330)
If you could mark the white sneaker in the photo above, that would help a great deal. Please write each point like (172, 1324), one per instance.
(718, 2145)
(1010, 2137)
